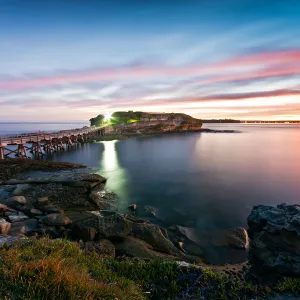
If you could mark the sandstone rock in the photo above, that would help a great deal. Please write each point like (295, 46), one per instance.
(16, 201)
(153, 235)
(49, 209)
(102, 199)
(82, 232)
(4, 226)
(29, 210)
(20, 189)
(132, 207)
(104, 248)
(17, 217)
(215, 246)
(108, 224)
(3, 209)
(235, 237)
(275, 240)
(55, 220)
(21, 228)
(43, 201)
(133, 247)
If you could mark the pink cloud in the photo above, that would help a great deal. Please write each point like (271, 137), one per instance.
(262, 60)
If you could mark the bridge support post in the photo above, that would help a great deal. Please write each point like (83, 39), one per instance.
(1, 152)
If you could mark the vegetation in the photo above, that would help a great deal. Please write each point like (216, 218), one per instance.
(59, 269)
(121, 117)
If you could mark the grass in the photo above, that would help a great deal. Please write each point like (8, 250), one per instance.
(58, 269)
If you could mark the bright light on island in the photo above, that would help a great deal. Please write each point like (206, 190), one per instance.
(107, 116)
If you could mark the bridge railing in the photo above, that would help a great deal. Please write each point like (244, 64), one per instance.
(40, 136)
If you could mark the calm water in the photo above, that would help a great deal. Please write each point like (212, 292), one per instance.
(15, 127)
(201, 179)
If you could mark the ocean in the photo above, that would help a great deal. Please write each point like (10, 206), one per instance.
(10, 128)
(204, 180)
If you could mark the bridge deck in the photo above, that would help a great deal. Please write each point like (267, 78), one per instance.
(49, 141)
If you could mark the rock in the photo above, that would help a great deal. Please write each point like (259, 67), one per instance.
(215, 246)
(29, 210)
(132, 207)
(20, 189)
(16, 201)
(150, 210)
(133, 247)
(275, 240)
(180, 247)
(21, 228)
(153, 235)
(55, 220)
(4, 226)
(104, 248)
(6, 240)
(48, 231)
(17, 217)
(108, 224)
(3, 209)
(235, 237)
(43, 201)
(82, 232)
(102, 199)
(49, 209)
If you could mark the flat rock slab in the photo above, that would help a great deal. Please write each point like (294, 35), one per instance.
(6, 240)
(17, 217)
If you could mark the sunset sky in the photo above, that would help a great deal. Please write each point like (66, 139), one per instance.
(70, 60)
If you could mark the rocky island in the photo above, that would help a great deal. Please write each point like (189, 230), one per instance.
(122, 125)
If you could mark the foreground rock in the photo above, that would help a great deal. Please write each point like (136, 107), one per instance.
(275, 240)
(215, 246)
(56, 220)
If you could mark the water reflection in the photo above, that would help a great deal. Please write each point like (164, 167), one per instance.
(109, 160)
(117, 179)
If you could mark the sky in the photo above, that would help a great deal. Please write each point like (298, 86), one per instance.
(70, 60)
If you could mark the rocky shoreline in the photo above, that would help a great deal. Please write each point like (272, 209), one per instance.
(154, 132)
(75, 206)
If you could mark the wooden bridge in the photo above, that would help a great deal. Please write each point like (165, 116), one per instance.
(39, 144)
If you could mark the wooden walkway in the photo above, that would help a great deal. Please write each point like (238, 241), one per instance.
(39, 144)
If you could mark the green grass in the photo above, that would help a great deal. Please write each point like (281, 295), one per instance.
(291, 285)
(58, 269)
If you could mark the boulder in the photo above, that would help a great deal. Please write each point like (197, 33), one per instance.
(4, 226)
(49, 208)
(103, 248)
(133, 247)
(107, 224)
(18, 216)
(102, 199)
(29, 210)
(55, 220)
(16, 201)
(132, 207)
(21, 228)
(42, 201)
(3, 208)
(235, 237)
(215, 246)
(82, 232)
(154, 236)
(275, 240)
(20, 189)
